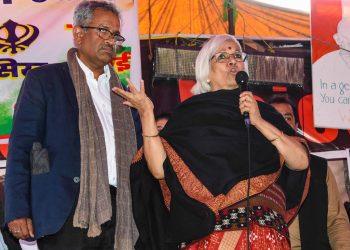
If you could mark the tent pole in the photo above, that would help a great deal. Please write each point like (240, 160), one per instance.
(231, 25)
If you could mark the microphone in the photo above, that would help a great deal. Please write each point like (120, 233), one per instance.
(242, 81)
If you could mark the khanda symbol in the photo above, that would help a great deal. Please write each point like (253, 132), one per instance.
(17, 38)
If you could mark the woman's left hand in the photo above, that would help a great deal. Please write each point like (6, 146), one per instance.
(247, 103)
(294, 153)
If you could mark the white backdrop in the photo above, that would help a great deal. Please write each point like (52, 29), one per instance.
(36, 32)
(331, 71)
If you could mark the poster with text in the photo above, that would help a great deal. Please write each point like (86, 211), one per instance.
(330, 29)
(37, 32)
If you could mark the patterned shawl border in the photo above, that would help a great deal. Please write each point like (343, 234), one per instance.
(163, 186)
(196, 190)
(166, 193)
(201, 191)
(138, 156)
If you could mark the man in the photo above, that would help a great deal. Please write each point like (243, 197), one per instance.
(322, 222)
(67, 178)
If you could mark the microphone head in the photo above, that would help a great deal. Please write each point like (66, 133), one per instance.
(242, 78)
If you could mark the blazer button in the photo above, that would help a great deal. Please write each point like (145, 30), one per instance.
(76, 179)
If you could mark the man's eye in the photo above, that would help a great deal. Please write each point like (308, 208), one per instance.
(103, 30)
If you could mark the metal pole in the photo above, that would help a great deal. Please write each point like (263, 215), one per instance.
(231, 25)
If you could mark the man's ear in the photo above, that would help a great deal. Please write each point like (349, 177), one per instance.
(78, 33)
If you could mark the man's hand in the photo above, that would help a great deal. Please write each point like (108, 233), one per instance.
(21, 228)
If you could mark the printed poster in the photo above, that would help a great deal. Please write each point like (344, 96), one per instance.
(330, 26)
(37, 32)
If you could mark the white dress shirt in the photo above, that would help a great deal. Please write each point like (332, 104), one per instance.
(100, 93)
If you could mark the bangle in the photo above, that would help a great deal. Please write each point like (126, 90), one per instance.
(156, 135)
(278, 137)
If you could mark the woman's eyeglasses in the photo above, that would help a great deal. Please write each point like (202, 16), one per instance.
(224, 57)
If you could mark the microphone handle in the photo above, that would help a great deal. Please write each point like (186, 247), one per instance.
(243, 86)
(246, 118)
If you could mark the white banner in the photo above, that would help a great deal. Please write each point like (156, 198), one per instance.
(331, 63)
(37, 32)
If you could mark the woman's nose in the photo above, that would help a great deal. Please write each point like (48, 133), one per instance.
(232, 60)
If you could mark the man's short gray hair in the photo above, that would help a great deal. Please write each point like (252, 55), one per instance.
(203, 61)
(84, 11)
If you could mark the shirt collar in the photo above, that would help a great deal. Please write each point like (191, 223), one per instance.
(89, 74)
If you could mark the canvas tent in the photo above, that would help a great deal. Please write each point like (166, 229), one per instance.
(169, 18)
(277, 30)
(280, 32)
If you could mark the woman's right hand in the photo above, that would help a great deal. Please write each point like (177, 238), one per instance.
(153, 148)
(136, 98)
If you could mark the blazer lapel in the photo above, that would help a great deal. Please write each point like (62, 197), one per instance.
(69, 88)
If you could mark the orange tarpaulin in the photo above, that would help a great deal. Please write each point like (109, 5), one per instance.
(196, 17)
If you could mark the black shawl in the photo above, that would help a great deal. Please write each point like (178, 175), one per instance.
(208, 134)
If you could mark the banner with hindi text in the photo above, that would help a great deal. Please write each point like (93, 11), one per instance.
(37, 32)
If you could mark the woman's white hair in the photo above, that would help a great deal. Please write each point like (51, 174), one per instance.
(203, 62)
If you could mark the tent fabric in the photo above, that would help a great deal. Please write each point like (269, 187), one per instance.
(171, 18)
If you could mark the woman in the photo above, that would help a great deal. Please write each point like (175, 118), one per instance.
(200, 161)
